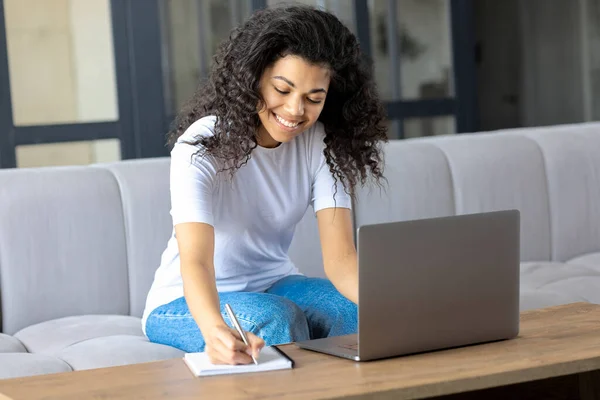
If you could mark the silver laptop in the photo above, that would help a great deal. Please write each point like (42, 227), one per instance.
(433, 284)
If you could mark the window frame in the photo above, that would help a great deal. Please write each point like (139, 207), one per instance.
(139, 61)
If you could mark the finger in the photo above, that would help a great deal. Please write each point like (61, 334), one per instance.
(232, 345)
(256, 344)
(231, 340)
(230, 356)
(214, 356)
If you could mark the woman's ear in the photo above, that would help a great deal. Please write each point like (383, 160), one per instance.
(260, 106)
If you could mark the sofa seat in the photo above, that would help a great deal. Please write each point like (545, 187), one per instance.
(9, 344)
(591, 259)
(15, 361)
(78, 343)
(16, 365)
(545, 284)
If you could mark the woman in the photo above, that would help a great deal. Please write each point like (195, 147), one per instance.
(288, 118)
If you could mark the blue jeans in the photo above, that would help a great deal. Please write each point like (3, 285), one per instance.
(295, 308)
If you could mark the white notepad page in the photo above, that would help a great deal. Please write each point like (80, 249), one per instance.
(270, 359)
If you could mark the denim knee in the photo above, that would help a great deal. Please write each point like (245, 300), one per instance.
(345, 319)
(280, 321)
(173, 325)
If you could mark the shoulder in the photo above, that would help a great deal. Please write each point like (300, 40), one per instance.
(205, 126)
(187, 149)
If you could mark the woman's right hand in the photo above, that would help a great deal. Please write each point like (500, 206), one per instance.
(224, 345)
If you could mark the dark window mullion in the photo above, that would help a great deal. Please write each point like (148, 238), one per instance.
(7, 133)
(145, 94)
(463, 58)
(402, 109)
(395, 66)
(363, 32)
(167, 55)
(25, 135)
(121, 38)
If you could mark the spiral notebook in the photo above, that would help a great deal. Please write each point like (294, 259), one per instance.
(271, 358)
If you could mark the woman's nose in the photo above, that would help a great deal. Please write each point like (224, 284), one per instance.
(295, 107)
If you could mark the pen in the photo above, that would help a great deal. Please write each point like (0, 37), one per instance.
(235, 322)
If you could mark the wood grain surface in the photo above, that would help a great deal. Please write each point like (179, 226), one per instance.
(553, 342)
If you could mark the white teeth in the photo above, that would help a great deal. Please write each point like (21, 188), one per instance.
(286, 122)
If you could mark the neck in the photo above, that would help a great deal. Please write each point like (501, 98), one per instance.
(265, 140)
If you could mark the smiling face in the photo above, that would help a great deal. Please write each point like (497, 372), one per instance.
(294, 92)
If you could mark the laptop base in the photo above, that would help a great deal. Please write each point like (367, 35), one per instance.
(340, 346)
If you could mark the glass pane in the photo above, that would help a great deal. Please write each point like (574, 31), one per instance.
(61, 61)
(431, 126)
(412, 51)
(192, 31)
(343, 9)
(68, 153)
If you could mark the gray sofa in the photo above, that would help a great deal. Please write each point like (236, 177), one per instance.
(79, 245)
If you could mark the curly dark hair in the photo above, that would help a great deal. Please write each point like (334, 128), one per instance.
(352, 115)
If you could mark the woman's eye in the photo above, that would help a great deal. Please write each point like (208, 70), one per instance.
(287, 92)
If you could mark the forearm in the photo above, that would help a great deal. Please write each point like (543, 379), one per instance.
(344, 276)
(201, 295)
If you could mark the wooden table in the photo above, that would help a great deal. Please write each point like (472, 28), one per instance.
(557, 355)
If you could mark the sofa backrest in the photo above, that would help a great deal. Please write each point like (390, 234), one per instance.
(572, 163)
(145, 196)
(466, 174)
(62, 245)
(88, 240)
(550, 174)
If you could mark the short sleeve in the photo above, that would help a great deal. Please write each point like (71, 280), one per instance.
(192, 180)
(327, 192)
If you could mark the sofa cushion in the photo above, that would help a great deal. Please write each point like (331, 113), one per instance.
(9, 344)
(54, 336)
(592, 260)
(62, 245)
(15, 365)
(531, 299)
(464, 174)
(573, 171)
(419, 186)
(144, 186)
(562, 282)
(496, 172)
(110, 351)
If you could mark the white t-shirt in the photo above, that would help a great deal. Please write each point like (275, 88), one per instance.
(254, 214)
